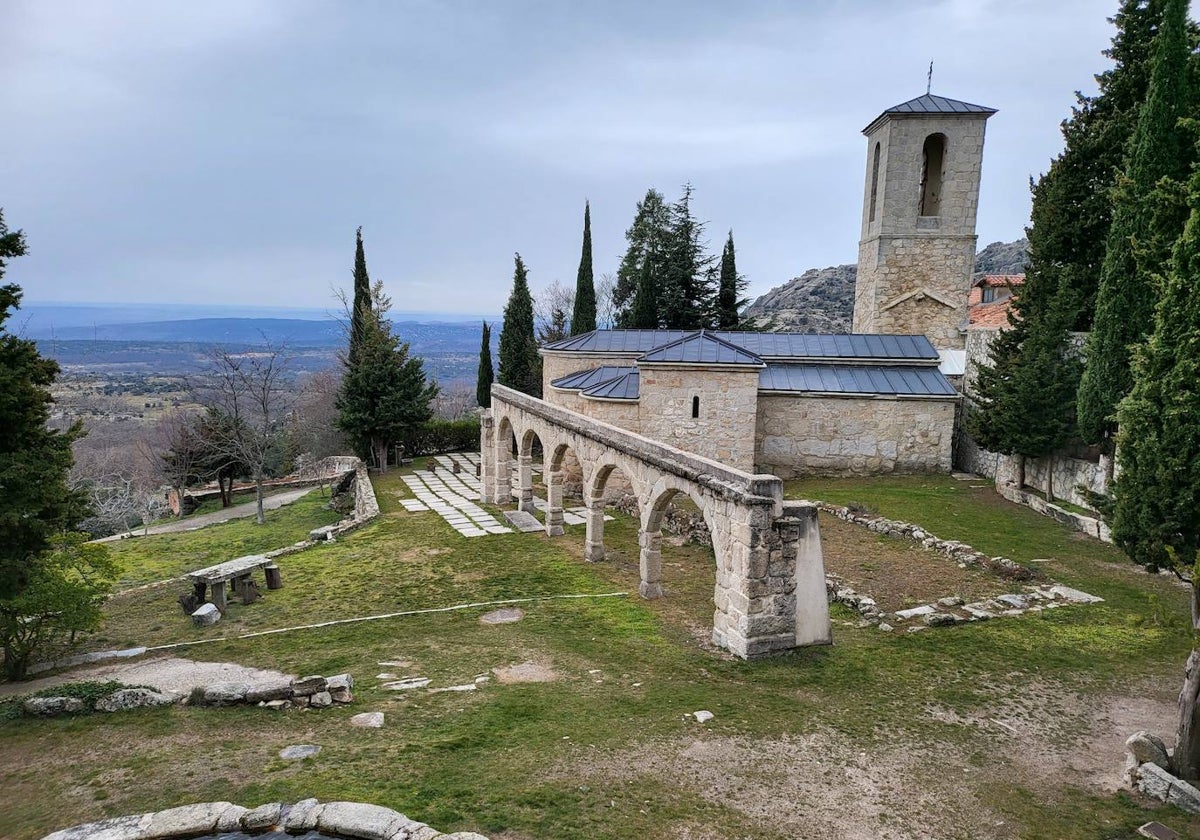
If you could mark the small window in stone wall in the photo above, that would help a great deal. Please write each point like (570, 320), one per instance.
(874, 182)
(695, 406)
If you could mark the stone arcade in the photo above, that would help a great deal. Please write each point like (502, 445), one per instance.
(721, 416)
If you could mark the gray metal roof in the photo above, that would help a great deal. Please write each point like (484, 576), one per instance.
(897, 380)
(582, 379)
(765, 345)
(623, 387)
(702, 347)
(930, 104)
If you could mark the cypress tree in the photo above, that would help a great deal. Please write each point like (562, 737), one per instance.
(1146, 220)
(1156, 495)
(583, 317)
(685, 287)
(728, 290)
(643, 314)
(483, 384)
(362, 297)
(1070, 219)
(520, 366)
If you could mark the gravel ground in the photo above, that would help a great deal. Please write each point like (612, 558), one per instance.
(166, 673)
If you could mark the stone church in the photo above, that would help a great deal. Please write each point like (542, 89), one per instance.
(879, 400)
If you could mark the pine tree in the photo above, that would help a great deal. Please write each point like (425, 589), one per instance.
(729, 290)
(1070, 221)
(647, 237)
(1156, 495)
(361, 310)
(384, 395)
(520, 364)
(483, 384)
(685, 286)
(643, 314)
(1146, 221)
(36, 504)
(583, 317)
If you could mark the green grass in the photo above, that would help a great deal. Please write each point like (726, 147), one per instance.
(525, 759)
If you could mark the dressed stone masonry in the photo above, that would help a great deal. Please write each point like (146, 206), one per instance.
(770, 575)
(350, 820)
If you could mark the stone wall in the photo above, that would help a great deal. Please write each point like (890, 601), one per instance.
(856, 435)
(728, 403)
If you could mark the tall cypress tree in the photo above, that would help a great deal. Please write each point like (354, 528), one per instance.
(685, 287)
(362, 298)
(1070, 221)
(483, 383)
(729, 289)
(1156, 495)
(643, 314)
(520, 365)
(583, 318)
(1146, 221)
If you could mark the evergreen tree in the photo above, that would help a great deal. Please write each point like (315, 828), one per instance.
(583, 317)
(384, 394)
(36, 505)
(685, 287)
(1156, 495)
(520, 364)
(1070, 220)
(729, 290)
(1146, 220)
(643, 314)
(647, 237)
(361, 310)
(483, 384)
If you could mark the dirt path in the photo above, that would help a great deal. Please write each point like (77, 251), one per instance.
(241, 511)
(166, 673)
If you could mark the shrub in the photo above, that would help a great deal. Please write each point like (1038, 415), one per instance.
(437, 436)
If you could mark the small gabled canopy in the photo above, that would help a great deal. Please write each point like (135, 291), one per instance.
(623, 387)
(701, 348)
(930, 105)
(584, 379)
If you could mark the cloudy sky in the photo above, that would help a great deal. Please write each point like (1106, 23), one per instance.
(224, 151)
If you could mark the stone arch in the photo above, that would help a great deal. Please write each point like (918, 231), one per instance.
(532, 432)
(933, 162)
(503, 459)
(650, 532)
(593, 499)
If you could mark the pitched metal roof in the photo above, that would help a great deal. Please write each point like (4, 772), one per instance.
(582, 379)
(701, 347)
(765, 345)
(896, 380)
(931, 105)
(623, 387)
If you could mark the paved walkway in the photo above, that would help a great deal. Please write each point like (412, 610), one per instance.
(241, 511)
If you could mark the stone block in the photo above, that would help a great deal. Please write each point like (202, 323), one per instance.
(1157, 782)
(320, 700)
(225, 693)
(133, 698)
(357, 819)
(52, 706)
(302, 816)
(118, 828)
(1146, 747)
(307, 686)
(187, 820)
(280, 689)
(231, 819)
(206, 615)
(262, 817)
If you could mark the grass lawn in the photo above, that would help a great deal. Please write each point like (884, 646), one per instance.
(1009, 728)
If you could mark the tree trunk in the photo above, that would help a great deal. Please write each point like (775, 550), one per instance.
(1187, 740)
(381, 459)
(258, 493)
(226, 493)
(1050, 477)
(1020, 471)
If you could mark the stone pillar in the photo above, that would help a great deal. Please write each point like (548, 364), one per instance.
(487, 457)
(811, 601)
(525, 483)
(593, 541)
(650, 564)
(554, 510)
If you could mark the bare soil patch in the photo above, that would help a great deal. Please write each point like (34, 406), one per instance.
(900, 573)
(170, 673)
(526, 672)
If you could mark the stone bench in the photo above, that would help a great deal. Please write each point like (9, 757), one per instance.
(238, 570)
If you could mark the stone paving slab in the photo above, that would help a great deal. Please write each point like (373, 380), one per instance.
(523, 521)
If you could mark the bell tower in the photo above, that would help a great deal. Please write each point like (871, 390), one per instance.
(917, 251)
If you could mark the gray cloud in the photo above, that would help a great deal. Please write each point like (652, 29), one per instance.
(225, 151)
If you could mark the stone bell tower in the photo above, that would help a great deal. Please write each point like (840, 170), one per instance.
(917, 251)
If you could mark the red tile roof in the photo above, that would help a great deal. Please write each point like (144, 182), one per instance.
(993, 315)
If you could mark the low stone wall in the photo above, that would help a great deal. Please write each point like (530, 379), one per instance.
(350, 820)
(1148, 767)
(314, 692)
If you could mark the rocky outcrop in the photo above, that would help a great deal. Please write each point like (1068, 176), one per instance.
(821, 300)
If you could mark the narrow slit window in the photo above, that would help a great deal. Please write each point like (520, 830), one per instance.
(695, 406)
(874, 182)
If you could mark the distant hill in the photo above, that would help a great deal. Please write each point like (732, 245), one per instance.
(821, 300)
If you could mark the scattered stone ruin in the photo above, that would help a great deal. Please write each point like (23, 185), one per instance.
(770, 575)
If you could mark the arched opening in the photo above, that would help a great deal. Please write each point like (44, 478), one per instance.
(611, 493)
(506, 461)
(677, 558)
(874, 182)
(531, 488)
(933, 160)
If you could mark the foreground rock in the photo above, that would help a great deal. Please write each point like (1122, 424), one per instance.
(134, 698)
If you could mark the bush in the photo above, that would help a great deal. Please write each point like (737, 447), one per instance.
(437, 436)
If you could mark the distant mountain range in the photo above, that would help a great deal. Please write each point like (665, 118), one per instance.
(821, 300)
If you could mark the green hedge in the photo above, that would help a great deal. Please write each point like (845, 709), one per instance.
(438, 436)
